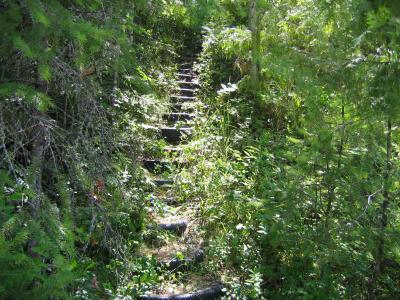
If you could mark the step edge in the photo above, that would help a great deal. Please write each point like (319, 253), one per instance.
(212, 292)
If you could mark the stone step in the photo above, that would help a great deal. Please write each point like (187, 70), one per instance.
(159, 166)
(177, 116)
(173, 135)
(180, 98)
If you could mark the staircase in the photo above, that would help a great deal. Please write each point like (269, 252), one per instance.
(180, 252)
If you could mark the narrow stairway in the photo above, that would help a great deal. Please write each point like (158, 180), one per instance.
(174, 239)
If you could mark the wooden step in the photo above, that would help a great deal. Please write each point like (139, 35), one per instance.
(177, 116)
(159, 166)
(176, 254)
(213, 292)
(163, 182)
(187, 84)
(186, 63)
(182, 107)
(185, 75)
(174, 135)
(173, 224)
(180, 98)
(178, 228)
(188, 79)
(185, 71)
(183, 264)
(173, 150)
(187, 92)
(193, 82)
(170, 201)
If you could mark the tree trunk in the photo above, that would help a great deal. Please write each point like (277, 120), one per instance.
(332, 186)
(255, 43)
(37, 162)
(386, 196)
(380, 253)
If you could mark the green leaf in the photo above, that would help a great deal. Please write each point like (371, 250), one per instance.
(44, 72)
(179, 255)
(39, 100)
(21, 45)
(378, 19)
(4, 178)
(38, 13)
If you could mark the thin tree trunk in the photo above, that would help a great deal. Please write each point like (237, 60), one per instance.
(255, 43)
(331, 192)
(380, 253)
(340, 151)
(115, 85)
(38, 145)
(386, 196)
(37, 162)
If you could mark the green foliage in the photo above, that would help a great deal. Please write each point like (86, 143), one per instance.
(78, 78)
(33, 252)
(297, 176)
(15, 92)
(293, 176)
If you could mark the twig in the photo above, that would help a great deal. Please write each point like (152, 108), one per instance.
(369, 202)
(3, 145)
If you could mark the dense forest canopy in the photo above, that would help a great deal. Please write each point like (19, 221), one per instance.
(292, 167)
